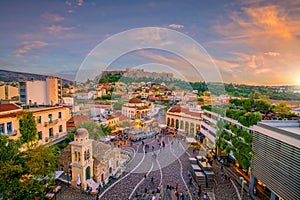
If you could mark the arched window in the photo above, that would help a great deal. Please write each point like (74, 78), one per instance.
(88, 154)
(76, 156)
(85, 155)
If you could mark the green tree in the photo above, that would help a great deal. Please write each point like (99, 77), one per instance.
(27, 128)
(283, 108)
(95, 130)
(200, 99)
(247, 105)
(22, 174)
(262, 105)
(66, 85)
(118, 105)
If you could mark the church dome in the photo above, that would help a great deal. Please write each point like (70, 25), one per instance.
(135, 100)
(81, 133)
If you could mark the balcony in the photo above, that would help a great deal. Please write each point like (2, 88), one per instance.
(10, 133)
(56, 138)
(51, 122)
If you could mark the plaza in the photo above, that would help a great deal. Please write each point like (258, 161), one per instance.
(155, 170)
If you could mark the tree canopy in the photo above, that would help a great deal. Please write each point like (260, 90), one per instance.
(22, 174)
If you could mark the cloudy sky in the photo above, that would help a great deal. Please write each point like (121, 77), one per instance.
(253, 42)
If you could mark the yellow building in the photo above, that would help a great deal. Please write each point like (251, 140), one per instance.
(7, 92)
(50, 122)
(184, 118)
(9, 124)
(82, 158)
(91, 162)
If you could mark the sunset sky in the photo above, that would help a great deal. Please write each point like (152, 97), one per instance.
(253, 42)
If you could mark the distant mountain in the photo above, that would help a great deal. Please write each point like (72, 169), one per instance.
(10, 76)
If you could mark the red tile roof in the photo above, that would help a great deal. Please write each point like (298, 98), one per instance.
(77, 119)
(8, 107)
(175, 108)
(135, 100)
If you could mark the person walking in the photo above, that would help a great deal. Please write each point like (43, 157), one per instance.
(205, 196)
(199, 191)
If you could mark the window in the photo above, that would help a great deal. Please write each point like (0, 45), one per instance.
(50, 132)
(39, 119)
(60, 128)
(59, 115)
(9, 127)
(40, 135)
(50, 118)
(22, 90)
(1, 128)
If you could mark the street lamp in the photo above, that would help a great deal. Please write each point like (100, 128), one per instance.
(243, 183)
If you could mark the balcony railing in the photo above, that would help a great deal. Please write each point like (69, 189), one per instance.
(50, 122)
(10, 133)
(56, 138)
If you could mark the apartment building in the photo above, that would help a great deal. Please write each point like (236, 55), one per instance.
(41, 92)
(8, 92)
(50, 122)
(209, 126)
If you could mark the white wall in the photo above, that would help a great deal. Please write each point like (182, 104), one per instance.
(36, 92)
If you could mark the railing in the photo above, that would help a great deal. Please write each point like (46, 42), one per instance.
(51, 122)
(11, 133)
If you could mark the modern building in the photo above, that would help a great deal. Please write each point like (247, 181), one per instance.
(8, 92)
(136, 109)
(209, 126)
(184, 118)
(41, 92)
(51, 122)
(276, 147)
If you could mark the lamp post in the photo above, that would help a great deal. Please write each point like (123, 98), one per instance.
(243, 183)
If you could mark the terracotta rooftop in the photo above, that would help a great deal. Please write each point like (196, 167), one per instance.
(175, 108)
(77, 119)
(135, 100)
(8, 107)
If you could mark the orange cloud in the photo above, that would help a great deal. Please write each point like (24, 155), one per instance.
(29, 46)
(271, 34)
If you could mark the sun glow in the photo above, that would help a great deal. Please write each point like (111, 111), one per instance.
(298, 82)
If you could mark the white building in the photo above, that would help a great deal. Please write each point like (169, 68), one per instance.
(39, 92)
(135, 109)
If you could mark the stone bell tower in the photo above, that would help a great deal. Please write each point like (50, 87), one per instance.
(82, 158)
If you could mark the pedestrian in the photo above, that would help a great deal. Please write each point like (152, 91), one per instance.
(152, 179)
(146, 190)
(189, 173)
(199, 191)
(205, 196)
(176, 186)
(191, 179)
(145, 176)
(186, 193)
